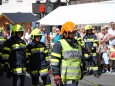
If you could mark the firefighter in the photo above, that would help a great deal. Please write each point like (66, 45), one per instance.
(2, 40)
(91, 42)
(14, 56)
(37, 54)
(66, 57)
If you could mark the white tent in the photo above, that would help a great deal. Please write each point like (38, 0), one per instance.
(92, 13)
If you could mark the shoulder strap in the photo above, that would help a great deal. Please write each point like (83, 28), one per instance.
(103, 36)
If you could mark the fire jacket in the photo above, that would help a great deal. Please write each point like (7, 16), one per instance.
(14, 54)
(37, 54)
(2, 40)
(91, 42)
(66, 60)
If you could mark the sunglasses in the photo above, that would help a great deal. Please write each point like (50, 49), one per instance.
(57, 31)
(103, 29)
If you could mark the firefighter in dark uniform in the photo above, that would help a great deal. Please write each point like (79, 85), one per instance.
(66, 57)
(91, 42)
(2, 40)
(36, 54)
(14, 56)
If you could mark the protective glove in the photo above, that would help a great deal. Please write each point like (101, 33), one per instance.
(93, 49)
(57, 79)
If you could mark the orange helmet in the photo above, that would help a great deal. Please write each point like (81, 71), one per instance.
(68, 27)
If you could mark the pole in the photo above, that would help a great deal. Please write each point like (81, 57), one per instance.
(67, 2)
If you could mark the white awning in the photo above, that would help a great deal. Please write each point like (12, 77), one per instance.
(92, 13)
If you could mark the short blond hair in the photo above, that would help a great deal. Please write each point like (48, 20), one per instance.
(105, 45)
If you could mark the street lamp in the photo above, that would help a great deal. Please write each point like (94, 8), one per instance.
(67, 2)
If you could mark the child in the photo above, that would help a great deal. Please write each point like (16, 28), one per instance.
(112, 57)
(105, 58)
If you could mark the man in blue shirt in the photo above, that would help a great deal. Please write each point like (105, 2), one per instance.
(57, 37)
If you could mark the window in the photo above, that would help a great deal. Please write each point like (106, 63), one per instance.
(5, 1)
(19, 0)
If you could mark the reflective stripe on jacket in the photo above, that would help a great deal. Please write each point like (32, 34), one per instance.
(70, 62)
(19, 71)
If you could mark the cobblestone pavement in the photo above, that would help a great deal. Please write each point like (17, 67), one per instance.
(106, 79)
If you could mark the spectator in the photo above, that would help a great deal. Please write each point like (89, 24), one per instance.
(111, 33)
(95, 32)
(105, 58)
(52, 35)
(106, 27)
(47, 36)
(57, 37)
(43, 39)
(103, 38)
(6, 33)
(82, 32)
(44, 35)
(112, 57)
(27, 36)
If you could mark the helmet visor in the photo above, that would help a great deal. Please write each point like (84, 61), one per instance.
(37, 37)
(19, 33)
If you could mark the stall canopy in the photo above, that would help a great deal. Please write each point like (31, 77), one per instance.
(92, 13)
(20, 17)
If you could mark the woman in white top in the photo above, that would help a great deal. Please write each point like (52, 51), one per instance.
(103, 38)
(27, 36)
(105, 58)
(111, 33)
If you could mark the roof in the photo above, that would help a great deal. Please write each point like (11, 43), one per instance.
(20, 17)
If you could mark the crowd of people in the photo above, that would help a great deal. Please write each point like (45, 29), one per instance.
(73, 53)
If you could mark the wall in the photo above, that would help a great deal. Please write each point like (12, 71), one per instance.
(84, 1)
(13, 6)
(14, 2)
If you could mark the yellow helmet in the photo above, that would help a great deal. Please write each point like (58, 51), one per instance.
(68, 27)
(88, 27)
(17, 28)
(36, 32)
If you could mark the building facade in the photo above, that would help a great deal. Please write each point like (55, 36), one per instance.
(73, 1)
(9, 6)
(84, 1)
(12, 2)
(16, 7)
